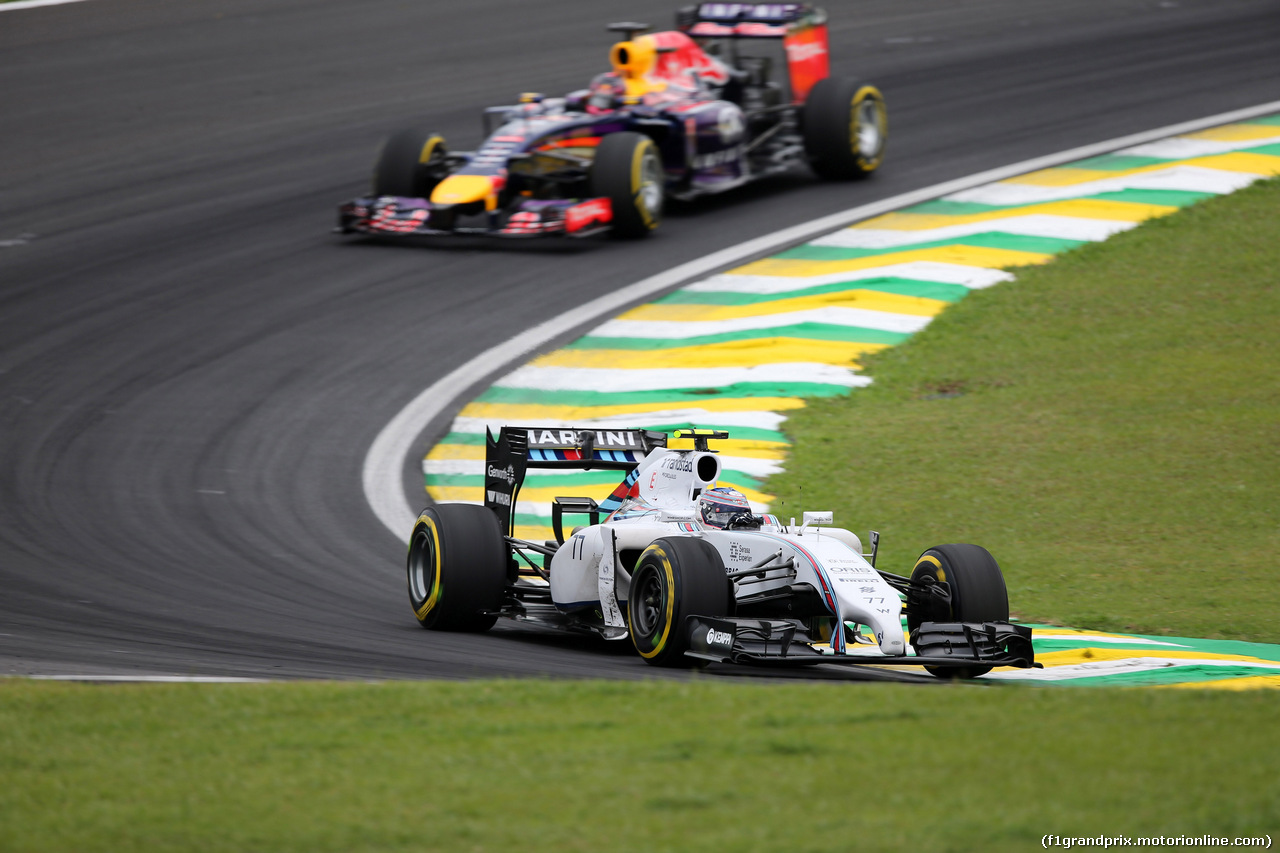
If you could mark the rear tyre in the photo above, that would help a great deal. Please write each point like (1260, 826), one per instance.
(628, 171)
(978, 592)
(674, 578)
(410, 164)
(846, 126)
(457, 568)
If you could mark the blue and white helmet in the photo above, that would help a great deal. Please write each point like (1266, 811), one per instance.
(717, 506)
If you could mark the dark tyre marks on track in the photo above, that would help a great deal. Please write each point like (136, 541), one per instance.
(192, 368)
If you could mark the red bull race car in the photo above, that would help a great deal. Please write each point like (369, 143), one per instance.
(735, 93)
(684, 570)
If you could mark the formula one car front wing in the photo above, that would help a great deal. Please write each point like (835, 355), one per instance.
(939, 644)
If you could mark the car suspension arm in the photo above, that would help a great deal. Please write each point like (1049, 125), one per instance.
(519, 546)
(763, 566)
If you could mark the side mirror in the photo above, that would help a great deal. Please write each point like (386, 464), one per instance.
(812, 519)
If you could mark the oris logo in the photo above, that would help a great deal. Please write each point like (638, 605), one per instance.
(719, 638)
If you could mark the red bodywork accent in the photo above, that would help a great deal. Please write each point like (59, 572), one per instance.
(750, 29)
(388, 221)
(759, 30)
(807, 56)
(596, 210)
(709, 29)
(525, 223)
(572, 142)
(679, 56)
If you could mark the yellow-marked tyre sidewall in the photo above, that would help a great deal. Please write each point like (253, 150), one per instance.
(434, 143)
(977, 592)
(642, 151)
(656, 560)
(830, 128)
(423, 569)
(865, 93)
(931, 564)
(458, 568)
(618, 174)
(926, 561)
(692, 576)
(402, 165)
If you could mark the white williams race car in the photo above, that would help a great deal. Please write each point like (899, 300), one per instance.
(690, 575)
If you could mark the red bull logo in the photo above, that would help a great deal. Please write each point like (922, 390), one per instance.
(807, 58)
(597, 210)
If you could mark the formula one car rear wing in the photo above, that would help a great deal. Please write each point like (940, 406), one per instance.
(800, 27)
(781, 15)
(517, 449)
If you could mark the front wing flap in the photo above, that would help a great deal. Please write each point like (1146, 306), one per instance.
(940, 644)
(397, 216)
(998, 643)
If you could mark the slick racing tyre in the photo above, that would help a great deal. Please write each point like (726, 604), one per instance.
(411, 163)
(845, 128)
(457, 568)
(628, 171)
(674, 578)
(978, 592)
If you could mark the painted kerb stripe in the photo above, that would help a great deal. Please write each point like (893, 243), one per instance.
(740, 348)
(389, 453)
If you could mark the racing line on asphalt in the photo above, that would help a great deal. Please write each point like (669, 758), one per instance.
(194, 369)
(724, 351)
(388, 452)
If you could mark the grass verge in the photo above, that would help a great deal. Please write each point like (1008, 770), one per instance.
(588, 766)
(1106, 425)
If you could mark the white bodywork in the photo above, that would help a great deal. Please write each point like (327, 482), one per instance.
(585, 571)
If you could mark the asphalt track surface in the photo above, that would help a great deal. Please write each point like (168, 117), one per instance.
(192, 368)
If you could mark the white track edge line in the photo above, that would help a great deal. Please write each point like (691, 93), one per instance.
(156, 679)
(33, 4)
(384, 462)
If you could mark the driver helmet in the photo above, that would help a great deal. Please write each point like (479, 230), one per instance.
(605, 94)
(718, 506)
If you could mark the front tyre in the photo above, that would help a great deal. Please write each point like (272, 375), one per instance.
(674, 578)
(978, 592)
(627, 170)
(846, 126)
(411, 163)
(457, 568)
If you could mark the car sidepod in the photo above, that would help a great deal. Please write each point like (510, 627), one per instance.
(715, 143)
(850, 589)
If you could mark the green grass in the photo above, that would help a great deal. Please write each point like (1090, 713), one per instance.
(590, 766)
(1107, 425)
